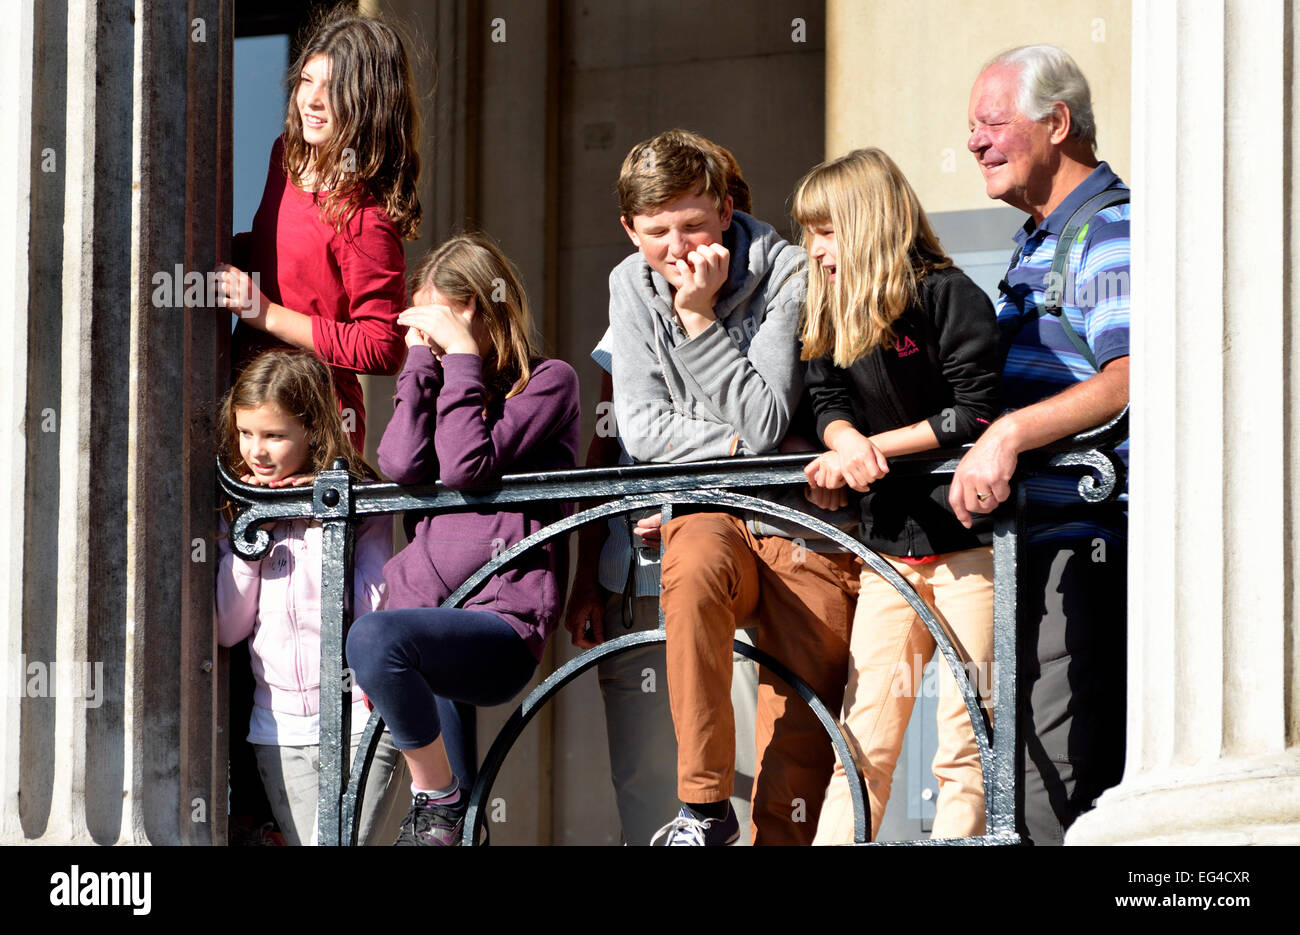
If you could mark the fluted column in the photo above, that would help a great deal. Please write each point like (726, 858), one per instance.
(17, 111)
(1214, 706)
(118, 127)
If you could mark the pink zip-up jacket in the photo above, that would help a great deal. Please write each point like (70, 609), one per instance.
(276, 601)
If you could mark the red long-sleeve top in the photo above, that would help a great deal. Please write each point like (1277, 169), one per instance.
(352, 284)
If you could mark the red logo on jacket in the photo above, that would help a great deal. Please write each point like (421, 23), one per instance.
(907, 347)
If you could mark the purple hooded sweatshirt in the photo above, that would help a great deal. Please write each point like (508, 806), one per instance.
(439, 432)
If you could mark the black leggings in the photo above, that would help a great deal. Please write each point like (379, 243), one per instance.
(424, 668)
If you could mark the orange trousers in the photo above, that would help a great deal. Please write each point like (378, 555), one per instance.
(718, 576)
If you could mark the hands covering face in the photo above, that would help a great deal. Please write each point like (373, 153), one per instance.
(441, 328)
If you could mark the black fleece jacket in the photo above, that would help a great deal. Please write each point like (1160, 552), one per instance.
(945, 369)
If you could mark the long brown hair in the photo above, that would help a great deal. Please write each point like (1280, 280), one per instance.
(300, 385)
(472, 266)
(374, 151)
(884, 244)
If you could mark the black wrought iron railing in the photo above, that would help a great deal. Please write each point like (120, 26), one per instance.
(338, 501)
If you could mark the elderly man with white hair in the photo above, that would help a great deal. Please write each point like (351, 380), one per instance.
(1064, 313)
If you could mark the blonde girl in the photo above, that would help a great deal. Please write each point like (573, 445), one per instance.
(902, 351)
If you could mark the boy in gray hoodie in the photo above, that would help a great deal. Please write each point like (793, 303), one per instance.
(615, 590)
(704, 347)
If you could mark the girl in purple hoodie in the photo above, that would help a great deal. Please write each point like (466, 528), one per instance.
(474, 402)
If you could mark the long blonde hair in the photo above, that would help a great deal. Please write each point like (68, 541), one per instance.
(472, 266)
(884, 243)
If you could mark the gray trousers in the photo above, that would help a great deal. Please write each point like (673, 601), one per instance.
(1073, 681)
(639, 724)
(291, 777)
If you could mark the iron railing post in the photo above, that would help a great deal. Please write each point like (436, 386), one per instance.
(332, 503)
(1000, 775)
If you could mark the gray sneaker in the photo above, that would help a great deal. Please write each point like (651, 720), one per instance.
(429, 825)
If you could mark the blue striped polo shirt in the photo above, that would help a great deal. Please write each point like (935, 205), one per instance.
(1041, 361)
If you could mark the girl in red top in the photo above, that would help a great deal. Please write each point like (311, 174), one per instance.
(324, 261)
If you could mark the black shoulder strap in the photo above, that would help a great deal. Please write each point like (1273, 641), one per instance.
(1052, 300)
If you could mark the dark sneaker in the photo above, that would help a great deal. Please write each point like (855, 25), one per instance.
(691, 829)
(429, 825)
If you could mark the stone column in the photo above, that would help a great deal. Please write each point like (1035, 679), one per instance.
(20, 112)
(515, 101)
(119, 122)
(1214, 704)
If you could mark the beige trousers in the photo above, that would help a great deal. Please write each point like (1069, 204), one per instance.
(888, 650)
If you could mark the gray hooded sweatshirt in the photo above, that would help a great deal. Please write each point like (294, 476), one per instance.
(733, 388)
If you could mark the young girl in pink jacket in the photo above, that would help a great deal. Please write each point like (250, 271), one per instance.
(279, 426)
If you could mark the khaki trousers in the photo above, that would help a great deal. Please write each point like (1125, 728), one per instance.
(291, 777)
(716, 576)
(890, 647)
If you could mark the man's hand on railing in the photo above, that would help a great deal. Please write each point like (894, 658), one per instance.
(983, 478)
(585, 616)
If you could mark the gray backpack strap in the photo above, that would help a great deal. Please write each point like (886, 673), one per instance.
(1075, 228)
